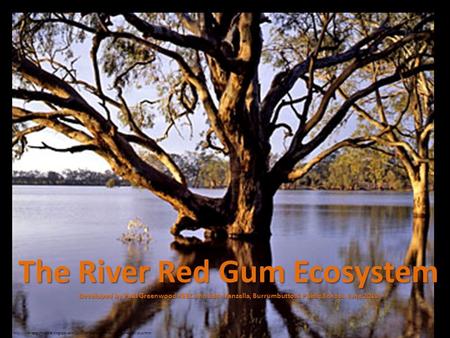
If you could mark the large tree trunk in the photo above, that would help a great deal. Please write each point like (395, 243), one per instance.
(249, 198)
(254, 213)
(246, 209)
(244, 213)
(249, 217)
(253, 207)
(416, 254)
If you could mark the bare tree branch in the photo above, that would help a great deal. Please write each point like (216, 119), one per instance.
(160, 154)
(18, 136)
(73, 149)
(47, 120)
(339, 115)
(210, 143)
(360, 142)
(203, 44)
(112, 146)
(63, 94)
(293, 155)
(285, 126)
(190, 24)
(62, 19)
(198, 81)
(284, 81)
(96, 41)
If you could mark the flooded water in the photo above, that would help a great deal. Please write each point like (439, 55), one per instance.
(63, 225)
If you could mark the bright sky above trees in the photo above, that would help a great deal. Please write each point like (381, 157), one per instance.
(44, 160)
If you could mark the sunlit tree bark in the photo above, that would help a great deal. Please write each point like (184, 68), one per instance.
(215, 59)
(406, 134)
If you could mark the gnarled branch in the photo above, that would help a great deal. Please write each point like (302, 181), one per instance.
(73, 149)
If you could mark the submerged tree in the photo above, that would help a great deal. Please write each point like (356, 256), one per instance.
(210, 63)
(398, 122)
(408, 133)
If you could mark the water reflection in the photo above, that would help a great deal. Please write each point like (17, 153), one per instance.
(20, 308)
(241, 318)
(135, 254)
(324, 228)
(249, 318)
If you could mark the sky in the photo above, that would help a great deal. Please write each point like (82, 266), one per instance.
(48, 160)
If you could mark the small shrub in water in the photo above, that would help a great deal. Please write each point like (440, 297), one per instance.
(137, 232)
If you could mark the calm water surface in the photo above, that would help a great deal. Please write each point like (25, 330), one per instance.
(63, 225)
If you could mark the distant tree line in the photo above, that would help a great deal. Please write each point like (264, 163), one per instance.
(68, 177)
(347, 169)
(355, 169)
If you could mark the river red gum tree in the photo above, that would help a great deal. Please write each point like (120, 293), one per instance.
(400, 123)
(217, 58)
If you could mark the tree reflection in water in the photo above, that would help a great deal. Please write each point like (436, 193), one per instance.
(250, 318)
(19, 307)
(242, 318)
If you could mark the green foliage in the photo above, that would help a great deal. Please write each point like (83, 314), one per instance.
(213, 171)
(202, 170)
(293, 36)
(111, 183)
(355, 169)
(349, 169)
(52, 39)
(68, 177)
(128, 64)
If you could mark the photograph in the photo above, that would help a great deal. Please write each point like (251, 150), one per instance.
(224, 174)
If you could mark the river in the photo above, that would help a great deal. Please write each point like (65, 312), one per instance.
(62, 225)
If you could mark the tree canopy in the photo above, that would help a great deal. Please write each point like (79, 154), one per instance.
(211, 63)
